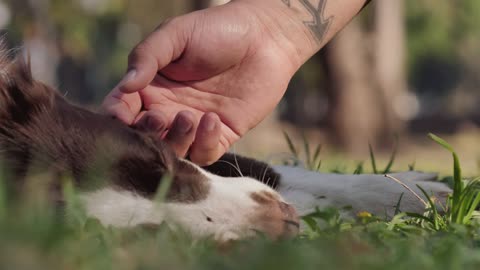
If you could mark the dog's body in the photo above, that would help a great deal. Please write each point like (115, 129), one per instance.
(118, 171)
(307, 190)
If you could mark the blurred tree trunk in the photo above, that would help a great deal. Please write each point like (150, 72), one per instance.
(389, 57)
(354, 112)
(39, 42)
(367, 82)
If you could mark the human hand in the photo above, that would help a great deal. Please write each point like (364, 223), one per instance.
(208, 76)
(202, 80)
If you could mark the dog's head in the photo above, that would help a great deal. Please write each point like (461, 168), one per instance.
(118, 170)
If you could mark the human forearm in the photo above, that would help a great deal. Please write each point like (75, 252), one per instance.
(305, 25)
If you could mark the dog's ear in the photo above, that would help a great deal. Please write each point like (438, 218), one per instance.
(20, 95)
(233, 165)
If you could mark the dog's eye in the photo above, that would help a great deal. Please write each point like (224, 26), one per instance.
(209, 219)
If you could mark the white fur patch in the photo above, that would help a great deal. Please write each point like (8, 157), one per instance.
(120, 208)
(223, 214)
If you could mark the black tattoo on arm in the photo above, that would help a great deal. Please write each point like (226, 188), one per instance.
(286, 2)
(319, 25)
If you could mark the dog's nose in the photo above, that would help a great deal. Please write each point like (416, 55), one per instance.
(288, 211)
(291, 220)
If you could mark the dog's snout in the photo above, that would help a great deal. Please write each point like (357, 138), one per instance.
(292, 223)
(275, 217)
(288, 211)
(291, 220)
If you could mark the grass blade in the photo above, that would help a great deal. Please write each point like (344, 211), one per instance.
(411, 166)
(316, 157)
(291, 146)
(457, 177)
(397, 206)
(74, 207)
(419, 216)
(359, 168)
(432, 206)
(473, 207)
(163, 189)
(311, 223)
(306, 147)
(372, 158)
(319, 165)
(407, 188)
(392, 157)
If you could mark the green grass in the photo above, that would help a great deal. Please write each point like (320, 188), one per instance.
(33, 236)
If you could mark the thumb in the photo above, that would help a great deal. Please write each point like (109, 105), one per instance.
(154, 53)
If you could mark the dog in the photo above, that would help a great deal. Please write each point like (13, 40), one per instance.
(118, 171)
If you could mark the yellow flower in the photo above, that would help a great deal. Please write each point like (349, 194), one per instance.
(364, 214)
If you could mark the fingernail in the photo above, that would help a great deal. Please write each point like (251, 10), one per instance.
(184, 125)
(153, 125)
(128, 77)
(210, 125)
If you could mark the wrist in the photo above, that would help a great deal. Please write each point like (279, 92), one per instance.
(302, 27)
(285, 28)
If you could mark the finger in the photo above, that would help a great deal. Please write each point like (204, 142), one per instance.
(182, 133)
(154, 53)
(206, 148)
(125, 107)
(142, 68)
(152, 121)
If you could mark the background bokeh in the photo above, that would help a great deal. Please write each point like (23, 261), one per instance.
(401, 67)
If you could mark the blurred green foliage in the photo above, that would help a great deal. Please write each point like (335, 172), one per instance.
(442, 38)
(97, 35)
(442, 27)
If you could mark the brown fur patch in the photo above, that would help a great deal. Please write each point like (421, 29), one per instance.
(273, 216)
(276, 219)
(189, 184)
(39, 128)
(264, 197)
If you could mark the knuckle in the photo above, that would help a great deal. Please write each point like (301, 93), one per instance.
(166, 22)
(139, 52)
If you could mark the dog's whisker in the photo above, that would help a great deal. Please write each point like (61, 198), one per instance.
(233, 166)
(236, 163)
(264, 174)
